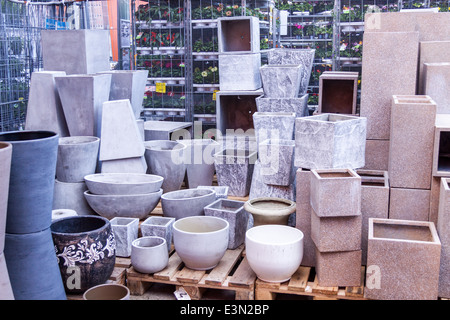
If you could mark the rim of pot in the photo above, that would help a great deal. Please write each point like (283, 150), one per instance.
(55, 224)
(77, 140)
(265, 238)
(208, 192)
(5, 145)
(249, 204)
(148, 145)
(91, 177)
(89, 193)
(106, 287)
(27, 136)
(200, 218)
(137, 242)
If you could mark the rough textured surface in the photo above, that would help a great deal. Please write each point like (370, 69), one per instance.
(297, 105)
(338, 91)
(338, 269)
(436, 77)
(441, 163)
(125, 165)
(335, 192)
(443, 229)
(273, 125)
(70, 196)
(240, 72)
(374, 201)
(377, 155)
(281, 81)
(125, 232)
(330, 141)
(277, 160)
(238, 35)
(404, 257)
(333, 234)
(431, 52)
(409, 204)
(303, 57)
(434, 199)
(380, 81)
(411, 141)
(303, 215)
(44, 109)
(87, 52)
(444, 274)
(160, 227)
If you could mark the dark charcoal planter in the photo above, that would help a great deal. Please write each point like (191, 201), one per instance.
(32, 180)
(33, 267)
(84, 244)
(5, 168)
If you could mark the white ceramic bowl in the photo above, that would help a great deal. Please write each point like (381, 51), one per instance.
(128, 206)
(123, 183)
(149, 254)
(274, 252)
(200, 241)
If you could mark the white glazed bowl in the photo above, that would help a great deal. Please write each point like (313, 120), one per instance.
(274, 252)
(123, 183)
(200, 241)
(149, 254)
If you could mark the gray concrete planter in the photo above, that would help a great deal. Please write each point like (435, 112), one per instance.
(5, 169)
(125, 232)
(297, 105)
(188, 202)
(221, 191)
(273, 125)
(277, 160)
(281, 81)
(160, 227)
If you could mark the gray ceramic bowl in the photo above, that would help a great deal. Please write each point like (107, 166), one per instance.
(187, 202)
(123, 183)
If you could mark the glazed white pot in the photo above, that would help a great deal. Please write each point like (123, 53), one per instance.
(149, 254)
(200, 241)
(274, 252)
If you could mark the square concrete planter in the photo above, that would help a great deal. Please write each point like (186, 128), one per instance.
(339, 269)
(328, 140)
(281, 81)
(338, 92)
(435, 85)
(125, 232)
(234, 168)
(409, 204)
(441, 149)
(237, 35)
(79, 51)
(160, 227)
(277, 160)
(233, 212)
(297, 105)
(240, 72)
(335, 192)
(273, 125)
(431, 52)
(377, 155)
(411, 141)
(443, 229)
(404, 257)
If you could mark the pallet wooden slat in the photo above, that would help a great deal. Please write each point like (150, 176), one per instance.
(299, 279)
(172, 268)
(219, 274)
(243, 277)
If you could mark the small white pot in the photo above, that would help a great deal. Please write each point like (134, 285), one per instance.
(200, 241)
(149, 254)
(274, 252)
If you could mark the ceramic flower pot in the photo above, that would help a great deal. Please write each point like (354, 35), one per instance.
(273, 125)
(274, 252)
(159, 227)
(5, 169)
(166, 159)
(70, 195)
(149, 254)
(86, 251)
(126, 230)
(33, 266)
(188, 202)
(277, 159)
(281, 81)
(200, 241)
(270, 210)
(123, 183)
(34, 162)
(107, 291)
(77, 157)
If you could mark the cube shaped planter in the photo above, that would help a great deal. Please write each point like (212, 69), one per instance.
(273, 125)
(232, 211)
(335, 192)
(297, 105)
(281, 81)
(338, 269)
(159, 227)
(437, 85)
(234, 168)
(338, 91)
(329, 140)
(443, 228)
(125, 232)
(240, 72)
(238, 35)
(277, 157)
(402, 260)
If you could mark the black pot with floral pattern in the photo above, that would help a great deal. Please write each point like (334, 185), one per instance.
(86, 251)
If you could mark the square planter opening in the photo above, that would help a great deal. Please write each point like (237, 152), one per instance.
(235, 111)
(338, 92)
(403, 232)
(238, 35)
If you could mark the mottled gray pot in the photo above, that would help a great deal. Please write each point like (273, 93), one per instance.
(273, 125)
(125, 232)
(70, 195)
(160, 227)
(149, 254)
(188, 202)
(166, 159)
(5, 169)
(123, 183)
(277, 159)
(77, 157)
(297, 105)
(281, 81)
(32, 178)
(221, 191)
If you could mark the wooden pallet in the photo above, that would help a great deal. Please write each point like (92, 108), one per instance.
(232, 273)
(300, 284)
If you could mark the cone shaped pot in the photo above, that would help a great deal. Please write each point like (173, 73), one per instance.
(32, 180)
(86, 251)
(5, 169)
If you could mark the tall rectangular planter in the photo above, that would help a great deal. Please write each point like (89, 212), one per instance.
(273, 125)
(328, 141)
(240, 72)
(338, 92)
(409, 204)
(402, 260)
(431, 52)
(237, 35)
(277, 157)
(443, 229)
(281, 81)
(437, 85)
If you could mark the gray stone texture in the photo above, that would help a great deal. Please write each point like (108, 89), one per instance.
(273, 125)
(330, 141)
(160, 227)
(166, 130)
(402, 260)
(303, 57)
(281, 81)
(125, 232)
(436, 78)
(44, 110)
(297, 105)
(70, 195)
(237, 35)
(125, 165)
(277, 160)
(379, 80)
(411, 141)
(240, 72)
(431, 52)
(409, 204)
(338, 269)
(87, 52)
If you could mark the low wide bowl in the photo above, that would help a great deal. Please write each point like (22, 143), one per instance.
(149, 254)
(185, 203)
(129, 206)
(123, 183)
(200, 241)
(274, 252)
